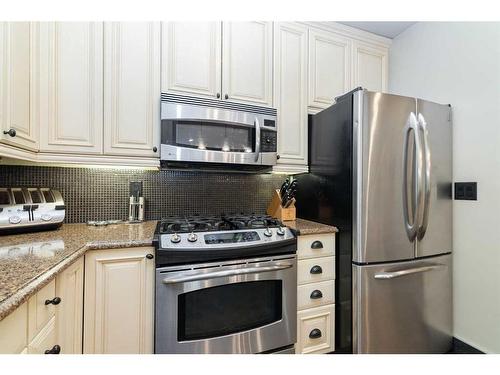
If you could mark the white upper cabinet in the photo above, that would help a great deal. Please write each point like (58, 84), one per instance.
(132, 88)
(18, 110)
(290, 74)
(329, 67)
(191, 58)
(370, 66)
(247, 52)
(71, 87)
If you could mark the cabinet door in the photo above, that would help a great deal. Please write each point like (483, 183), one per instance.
(14, 331)
(247, 55)
(191, 58)
(290, 74)
(118, 311)
(131, 88)
(329, 67)
(45, 340)
(69, 312)
(71, 87)
(370, 66)
(18, 57)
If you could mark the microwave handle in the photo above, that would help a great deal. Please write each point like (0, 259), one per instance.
(257, 140)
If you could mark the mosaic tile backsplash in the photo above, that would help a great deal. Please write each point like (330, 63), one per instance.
(102, 194)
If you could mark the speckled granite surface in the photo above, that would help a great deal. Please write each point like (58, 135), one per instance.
(30, 261)
(302, 227)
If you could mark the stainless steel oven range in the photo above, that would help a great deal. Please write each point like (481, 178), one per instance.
(225, 285)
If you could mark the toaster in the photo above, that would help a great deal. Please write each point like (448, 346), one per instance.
(30, 209)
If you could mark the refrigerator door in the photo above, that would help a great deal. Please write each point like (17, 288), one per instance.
(382, 137)
(403, 307)
(435, 224)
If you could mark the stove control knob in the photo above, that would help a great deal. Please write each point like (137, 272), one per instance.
(268, 232)
(46, 217)
(175, 238)
(14, 219)
(280, 231)
(192, 237)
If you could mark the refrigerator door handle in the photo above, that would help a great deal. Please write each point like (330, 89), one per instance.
(422, 124)
(410, 271)
(412, 227)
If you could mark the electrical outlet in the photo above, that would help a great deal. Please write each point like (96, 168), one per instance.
(466, 191)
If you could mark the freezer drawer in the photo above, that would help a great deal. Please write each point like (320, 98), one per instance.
(403, 307)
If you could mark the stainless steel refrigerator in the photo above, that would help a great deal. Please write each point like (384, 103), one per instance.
(381, 171)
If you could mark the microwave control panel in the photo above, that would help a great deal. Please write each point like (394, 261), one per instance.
(268, 140)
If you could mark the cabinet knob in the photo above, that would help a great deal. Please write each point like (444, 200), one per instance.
(315, 334)
(316, 270)
(53, 301)
(317, 245)
(218, 95)
(11, 132)
(277, 156)
(226, 96)
(316, 294)
(56, 349)
(150, 256)
(155, 149)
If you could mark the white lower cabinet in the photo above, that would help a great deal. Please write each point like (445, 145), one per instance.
(69, 312)
(316, 294)
(119, 297)
(14, 331)
(316, 330)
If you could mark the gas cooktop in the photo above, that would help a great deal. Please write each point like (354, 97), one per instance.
(195, 239)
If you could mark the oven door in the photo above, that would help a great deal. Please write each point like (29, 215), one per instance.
(235, 307)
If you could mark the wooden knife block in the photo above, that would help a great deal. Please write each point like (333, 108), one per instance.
(276, 210)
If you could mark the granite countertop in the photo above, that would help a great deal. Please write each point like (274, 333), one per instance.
(302, 227)
(30, 261)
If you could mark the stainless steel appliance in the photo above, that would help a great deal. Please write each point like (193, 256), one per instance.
(225, 285)
(215, 134)
(381, 170)
(30, 209)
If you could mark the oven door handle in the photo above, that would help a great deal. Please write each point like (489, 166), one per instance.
(227, 273)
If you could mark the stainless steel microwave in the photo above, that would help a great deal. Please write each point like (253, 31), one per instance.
(210, 134)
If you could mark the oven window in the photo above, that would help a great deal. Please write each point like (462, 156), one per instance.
(227, 309)
(213, 136)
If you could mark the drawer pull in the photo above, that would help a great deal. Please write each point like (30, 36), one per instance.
(316, 294)
(317, 245)
(315, 334)
(316, 270)
(53, 301)
(56, 349)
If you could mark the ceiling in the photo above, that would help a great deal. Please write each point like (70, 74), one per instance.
(387, 29)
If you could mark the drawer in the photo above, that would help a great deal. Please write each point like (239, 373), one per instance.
(316, 330)
(14, 331)
(314, 270)
(315, 245)
(40, 313)
(315, 294)
(45, 340)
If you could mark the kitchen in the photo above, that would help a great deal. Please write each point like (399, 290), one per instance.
(251, 187)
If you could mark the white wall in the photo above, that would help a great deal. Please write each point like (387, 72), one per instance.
(459, 63)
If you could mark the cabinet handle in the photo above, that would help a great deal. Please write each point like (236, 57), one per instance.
(155, 149)
(11, 132)
(317, 245)
(316, 270)
(315, 334)
(150, 256)
(316, 294)
(218, 95)
(53, 301)
(56, 349)
(226, 96)
(277, 157)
